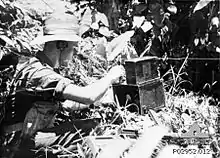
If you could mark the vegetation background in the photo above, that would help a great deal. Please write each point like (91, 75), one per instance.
(183, 34)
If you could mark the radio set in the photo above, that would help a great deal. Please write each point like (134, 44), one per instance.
(143, 89)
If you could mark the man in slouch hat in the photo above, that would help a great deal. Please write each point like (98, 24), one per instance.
(39, 86)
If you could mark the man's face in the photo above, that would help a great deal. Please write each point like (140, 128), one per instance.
(67, 50)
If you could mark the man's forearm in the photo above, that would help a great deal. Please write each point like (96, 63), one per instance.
(88, 94)
(73, 105)
(99, 88)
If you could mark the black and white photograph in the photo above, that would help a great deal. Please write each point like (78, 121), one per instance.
(109, 79)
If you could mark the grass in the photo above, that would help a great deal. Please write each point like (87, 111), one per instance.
(176, 79)
(181, 111)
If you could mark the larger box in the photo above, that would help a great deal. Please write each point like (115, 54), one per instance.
(140, 98)
(139, 70)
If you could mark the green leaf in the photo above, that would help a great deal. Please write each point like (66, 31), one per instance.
(115, 47)
(87, 17)
(7, 40)
(24, 44)
(201, 4)
(83, 28)
(102, 17)
(2, 4)
(1, 55)
(104, 31)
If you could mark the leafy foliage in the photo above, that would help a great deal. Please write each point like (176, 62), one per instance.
(109, 39)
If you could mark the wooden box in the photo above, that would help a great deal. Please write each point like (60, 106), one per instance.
(139, 70)
(148, 95)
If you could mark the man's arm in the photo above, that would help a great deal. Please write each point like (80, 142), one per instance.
(70, 105)
(91, 93)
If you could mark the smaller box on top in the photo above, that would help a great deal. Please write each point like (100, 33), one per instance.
(139, 70)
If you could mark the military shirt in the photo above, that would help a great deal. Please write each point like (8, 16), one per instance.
(36, 81)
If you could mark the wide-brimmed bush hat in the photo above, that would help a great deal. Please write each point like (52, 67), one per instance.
(59, 26)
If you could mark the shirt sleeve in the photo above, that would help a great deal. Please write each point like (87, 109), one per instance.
(43, 81)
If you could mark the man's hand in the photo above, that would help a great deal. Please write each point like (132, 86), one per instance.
(116, 72)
